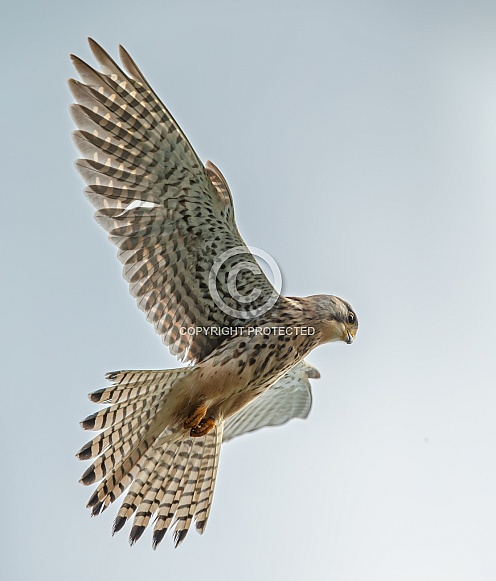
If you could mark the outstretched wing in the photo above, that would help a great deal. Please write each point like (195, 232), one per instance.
(170, 217)
(290, 397)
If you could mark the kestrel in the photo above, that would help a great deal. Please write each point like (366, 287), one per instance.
(172, 220)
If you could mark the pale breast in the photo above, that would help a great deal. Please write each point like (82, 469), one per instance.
(246, 365)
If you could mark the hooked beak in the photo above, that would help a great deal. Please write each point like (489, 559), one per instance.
(349, 338)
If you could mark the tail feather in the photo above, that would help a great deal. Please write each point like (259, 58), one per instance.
(134, 393)
(134, 386)
(173, 492)
(108, 490)
(154, 493)
(141, 484)
(121, 486)
(207, 486)
(117, 413)
(167, 473)
(189, 499)
(148, 475)
(146, 507)
(115, 434)
(196, 477)
(112, 456)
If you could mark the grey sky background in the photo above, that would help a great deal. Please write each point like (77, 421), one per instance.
(359, 140)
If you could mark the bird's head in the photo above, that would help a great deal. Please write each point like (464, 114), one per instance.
(338, 321)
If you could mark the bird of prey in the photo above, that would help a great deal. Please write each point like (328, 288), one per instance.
(172, 220)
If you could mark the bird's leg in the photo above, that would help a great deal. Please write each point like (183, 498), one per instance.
(197, 423)
(205, 426)
(195, 417)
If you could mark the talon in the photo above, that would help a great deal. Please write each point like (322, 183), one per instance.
(205, 426)
(193, 420)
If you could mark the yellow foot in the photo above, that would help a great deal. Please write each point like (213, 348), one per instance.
(196, 417)
(205, 426)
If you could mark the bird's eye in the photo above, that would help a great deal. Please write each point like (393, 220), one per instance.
(351, 318)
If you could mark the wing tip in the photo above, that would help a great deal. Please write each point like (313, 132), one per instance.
(311, 371)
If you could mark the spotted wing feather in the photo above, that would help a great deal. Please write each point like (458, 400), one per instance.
(169, 215)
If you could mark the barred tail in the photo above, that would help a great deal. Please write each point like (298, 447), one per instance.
(168, 474)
